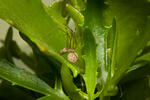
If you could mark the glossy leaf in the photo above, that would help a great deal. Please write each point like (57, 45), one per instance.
(94, 20)
(89, 52)
(25, 79)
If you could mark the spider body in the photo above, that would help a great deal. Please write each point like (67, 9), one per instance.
(71, 40)
(72, 56)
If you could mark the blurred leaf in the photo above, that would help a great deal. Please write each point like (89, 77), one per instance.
(7, 44)
(135, 90)
(40, 64)
(69, 87)
(5, 50)
(135, 72)
(75, 15)
(14, 93)
(32, 20)
(132, 27)
(44, 66)
(52, 97)
(40, 57)
(89, 52)
(145, 57)
(55, 11)
(79, 4)
(2, 53)
(25, 79)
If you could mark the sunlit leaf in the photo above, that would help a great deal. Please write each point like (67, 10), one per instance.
(32, 20)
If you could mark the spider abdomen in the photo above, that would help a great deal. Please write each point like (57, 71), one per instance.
(73, 57)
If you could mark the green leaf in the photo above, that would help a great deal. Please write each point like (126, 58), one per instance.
(132, 32)
(2, 53)
(25, 79)
(7, 45)
(145, 57)
(94, 20)
(69, 87)
(112, 40)
(32, 20)
(89, 52)
(75, 15)
(135, 72)
(135, 90)
(78, 4)
(55, 10)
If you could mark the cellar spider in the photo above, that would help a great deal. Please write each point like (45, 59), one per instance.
(70, 46)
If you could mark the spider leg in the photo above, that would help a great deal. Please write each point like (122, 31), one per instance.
(75, 40)
(69, 38)
(72, 35)
(71, 41)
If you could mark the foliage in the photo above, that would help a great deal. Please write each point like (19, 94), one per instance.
(109, 40)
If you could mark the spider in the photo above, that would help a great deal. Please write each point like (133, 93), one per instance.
(71, 45)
